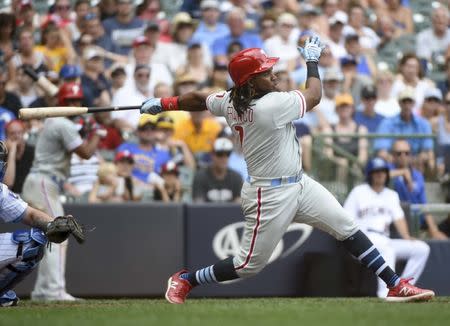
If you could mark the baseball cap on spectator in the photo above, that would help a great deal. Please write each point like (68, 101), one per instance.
(70, 71)
(368, 92)
(124, 156)
(339, 17)
(309, 9)
(433, 94)
(141, 40)
(141, 66)
(165, 122)
(91, 53)
(408, 93)
(209, 4)
(351, 37)
(90, 16)
(146, 120)
(186, 78)
(222, 145)
(169, 167)
(181, 19)
(124, 1)
(333, 73)
(192, 44)
(348, 60)
(287, 19)
(220, 66)
(343, 99)
(117, 69)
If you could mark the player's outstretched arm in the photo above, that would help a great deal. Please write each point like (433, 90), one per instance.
(192, 101)
(311, 52)
(36, 218)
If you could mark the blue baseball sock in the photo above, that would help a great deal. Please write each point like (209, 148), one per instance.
(362, 248)
(219, 272)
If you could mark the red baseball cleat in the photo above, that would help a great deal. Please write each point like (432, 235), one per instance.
(177, 288)
(405, 292)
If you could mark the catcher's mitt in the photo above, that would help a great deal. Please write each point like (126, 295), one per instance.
(61, 227)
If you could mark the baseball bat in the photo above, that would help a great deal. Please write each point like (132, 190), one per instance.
(67, 111)
(46, 85)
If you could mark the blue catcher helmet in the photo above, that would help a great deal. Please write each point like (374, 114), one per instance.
(376, 164)
(3, 159)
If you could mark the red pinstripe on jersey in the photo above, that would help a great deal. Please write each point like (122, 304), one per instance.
(255, 233)
(303, 103)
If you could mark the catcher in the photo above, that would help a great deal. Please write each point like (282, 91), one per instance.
(21, 251)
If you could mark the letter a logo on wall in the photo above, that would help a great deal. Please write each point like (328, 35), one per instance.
(227, 240)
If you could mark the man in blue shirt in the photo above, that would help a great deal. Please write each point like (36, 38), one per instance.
(210, 29)
(409, 183)
(407, 123)
(366, 114)
(148, 157)
(236, 23)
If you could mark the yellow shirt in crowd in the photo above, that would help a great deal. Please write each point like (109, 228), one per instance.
(201, 140)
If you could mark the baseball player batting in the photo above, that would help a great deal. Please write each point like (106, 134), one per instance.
(277, 192)
(21, 251)
(44, 185)
(375, 207)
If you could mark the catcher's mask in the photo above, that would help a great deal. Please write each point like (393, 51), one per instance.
(3, 159)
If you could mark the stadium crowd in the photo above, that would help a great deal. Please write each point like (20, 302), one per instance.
(384, 71)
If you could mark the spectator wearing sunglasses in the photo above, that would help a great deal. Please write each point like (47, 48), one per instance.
(409, 183)
(217, 182)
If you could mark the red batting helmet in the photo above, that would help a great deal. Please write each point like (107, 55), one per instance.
(249, 62)
(69, 91)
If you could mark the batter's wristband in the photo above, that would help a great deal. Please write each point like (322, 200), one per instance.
(169, 103)
(312, 70)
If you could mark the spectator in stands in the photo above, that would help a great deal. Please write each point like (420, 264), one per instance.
(411, 75)
(441, 127)
(20, 156)
(432, 104)
(267, 27)
(334, 36)
(400, 15)
(24, 87)
(366, 115)
(356, 146)
(28, 18)
(219, 77)
(26, 54)
(124, 27)
(432, 42)
(386, 105)
(7, 31)
(61, 14)
(210, 28)
(108, 9)
(132, 94)
(199, 132)
(171, 190)
(281, 45)
(444, 85)
(118, 78)
(113, 138)
(147, 156)
(148, 10)
(179, 151)
(357, 25)
(163, 51)
(218, 183)
(96, 87)
(105, 189)
(9, 102)
(236, 23)
(353, 81)
(407, 123)
(365, 66)
(81, 8)
(409, 183)
(375, 207)
(195, 64)
(308, 17)
(385, 29)
(57, 46)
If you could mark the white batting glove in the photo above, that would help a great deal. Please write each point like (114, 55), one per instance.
(152, 106)
(312, 49)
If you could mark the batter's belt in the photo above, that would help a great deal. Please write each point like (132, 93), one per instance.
(264, 182)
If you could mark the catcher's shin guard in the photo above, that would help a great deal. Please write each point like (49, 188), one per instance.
(30, 250)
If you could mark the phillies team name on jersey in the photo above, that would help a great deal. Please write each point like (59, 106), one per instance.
(247, 116)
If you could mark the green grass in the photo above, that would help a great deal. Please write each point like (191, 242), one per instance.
(230, 312)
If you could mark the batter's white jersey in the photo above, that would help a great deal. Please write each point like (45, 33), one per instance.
(12, 207)
(266, 132)
(372, 210)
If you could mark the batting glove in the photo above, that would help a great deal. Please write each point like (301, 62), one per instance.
(312, 49)
(152, 106)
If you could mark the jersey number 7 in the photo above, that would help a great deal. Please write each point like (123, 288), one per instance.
(240, 131)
